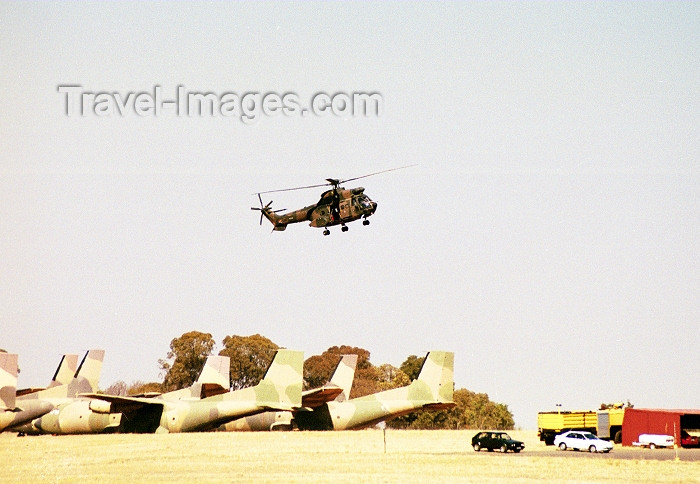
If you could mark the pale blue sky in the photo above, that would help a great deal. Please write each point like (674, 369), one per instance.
(549, 236)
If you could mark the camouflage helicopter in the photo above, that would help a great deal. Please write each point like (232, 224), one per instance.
(337, 206)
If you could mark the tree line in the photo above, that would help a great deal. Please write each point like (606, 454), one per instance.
(251, 355)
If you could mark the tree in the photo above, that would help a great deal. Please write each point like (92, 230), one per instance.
(392, 377)
(119, 388)
(429, 419)
(476, 411)
(250, 356)
(189, 352)
(139, 388)
(318, 370)
(412, 366)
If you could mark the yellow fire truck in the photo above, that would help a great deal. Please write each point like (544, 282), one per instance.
(605, 422)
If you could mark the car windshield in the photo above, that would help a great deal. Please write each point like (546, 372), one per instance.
(589, 436)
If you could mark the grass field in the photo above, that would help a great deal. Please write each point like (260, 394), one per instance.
(355, 456)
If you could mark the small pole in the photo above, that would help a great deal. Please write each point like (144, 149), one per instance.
(675, 443)
(382, 425)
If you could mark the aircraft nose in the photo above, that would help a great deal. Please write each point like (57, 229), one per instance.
(47, 423)
(37, 423)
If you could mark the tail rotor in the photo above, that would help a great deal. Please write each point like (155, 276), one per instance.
(265, 209)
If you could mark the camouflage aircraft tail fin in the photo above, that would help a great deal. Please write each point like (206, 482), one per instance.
(216, 370)
(344, 375)
(212, 380)
(437, 376)
(64, 374)
(215, 376)
(66, 370)
(271, 215)
(8, 380)
(282, 384)
(86, 379)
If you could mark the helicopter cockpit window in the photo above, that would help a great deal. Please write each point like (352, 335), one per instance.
(365, 201)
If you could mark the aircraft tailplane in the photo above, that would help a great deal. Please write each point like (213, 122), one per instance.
(344, 375)
(283, 380)
(437, 375)
(65, 371)
(86, 379)
(8, 380)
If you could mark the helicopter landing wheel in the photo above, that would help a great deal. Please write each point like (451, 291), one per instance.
(326, 232)
(365, 222)
(344, 229)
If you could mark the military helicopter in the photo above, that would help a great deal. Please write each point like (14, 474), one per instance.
(337, 206)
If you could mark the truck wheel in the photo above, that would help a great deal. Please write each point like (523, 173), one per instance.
(562, 446)
(618, 437)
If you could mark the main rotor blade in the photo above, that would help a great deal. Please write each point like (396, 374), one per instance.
(331, 182)
(376, 173)
(295, 188)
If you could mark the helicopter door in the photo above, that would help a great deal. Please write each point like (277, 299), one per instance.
(345, 210)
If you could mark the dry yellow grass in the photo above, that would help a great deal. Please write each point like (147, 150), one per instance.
(411, 456)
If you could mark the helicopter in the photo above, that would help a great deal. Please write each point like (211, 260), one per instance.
(337, 206)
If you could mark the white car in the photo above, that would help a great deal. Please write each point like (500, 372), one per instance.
(579, 440)
(655, 440)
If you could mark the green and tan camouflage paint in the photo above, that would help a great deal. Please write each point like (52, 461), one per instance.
(350, 208)
(64, 374)
(86, 416)
(341, 379)
(36, 404)
(66, 370)
(8, 387)
(279, 389)
(432, 389)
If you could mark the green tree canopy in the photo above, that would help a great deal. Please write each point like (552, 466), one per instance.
(250, 356)
(391, 377)
(476, 411)
(412, 366)
(188, 354)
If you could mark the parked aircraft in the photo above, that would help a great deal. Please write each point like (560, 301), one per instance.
(338, 389)
(8, 388)
(88, 416)
(431, 390)
(33, 405)
(63, 375)
(280, 389)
